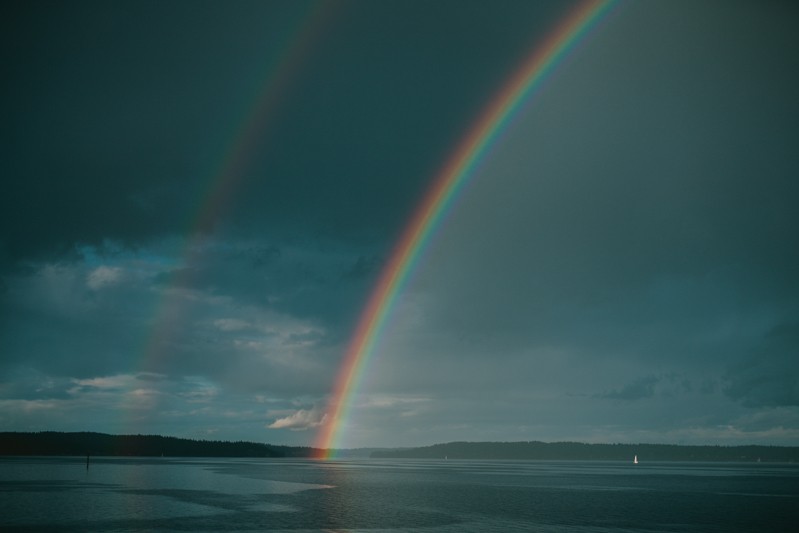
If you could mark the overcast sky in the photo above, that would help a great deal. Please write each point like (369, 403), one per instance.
(198, 197)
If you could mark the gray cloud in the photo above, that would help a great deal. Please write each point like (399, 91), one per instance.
(299, 420)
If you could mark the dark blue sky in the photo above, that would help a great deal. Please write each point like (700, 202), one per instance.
(623, 267)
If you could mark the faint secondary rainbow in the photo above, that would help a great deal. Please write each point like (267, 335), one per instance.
(454, 175)
(217, 191)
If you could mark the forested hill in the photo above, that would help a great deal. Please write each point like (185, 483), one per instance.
(56, 443)
(600, 452)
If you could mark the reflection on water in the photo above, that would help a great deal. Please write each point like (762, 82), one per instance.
(386, 495)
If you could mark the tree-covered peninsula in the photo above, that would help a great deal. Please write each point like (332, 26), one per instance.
(101, 444)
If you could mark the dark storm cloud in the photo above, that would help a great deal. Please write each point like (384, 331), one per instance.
(55, 321)
(668, 385)
(371, 159)
(115, 116)
(363, 268)
(769, 374)
(622, 265)
(641, 388)
(262, 256)
(29, 384)
(101, 122)
(312, 280)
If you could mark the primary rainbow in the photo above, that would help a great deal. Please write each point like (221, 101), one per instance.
(433, 208)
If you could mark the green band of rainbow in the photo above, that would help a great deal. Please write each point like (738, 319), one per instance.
(433, 208)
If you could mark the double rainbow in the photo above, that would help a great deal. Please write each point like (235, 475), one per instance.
(449, 182)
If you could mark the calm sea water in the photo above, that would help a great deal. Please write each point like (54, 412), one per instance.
(46, 494)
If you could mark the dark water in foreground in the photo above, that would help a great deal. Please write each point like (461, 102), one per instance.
(45, 494)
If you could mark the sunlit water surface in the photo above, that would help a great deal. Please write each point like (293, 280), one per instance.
(113, 494)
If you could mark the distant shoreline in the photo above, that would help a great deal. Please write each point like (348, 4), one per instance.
(53, 443)
(536, 450)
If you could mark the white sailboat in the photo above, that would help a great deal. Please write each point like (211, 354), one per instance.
(635, 459)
